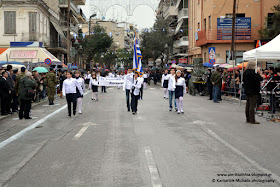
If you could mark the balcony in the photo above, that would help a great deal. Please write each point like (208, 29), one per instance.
(170, 11)
(80, 2)
(73, 28)
(64, 4)
(183, 42)
(183, 14)
(81, 17)
(222, 36)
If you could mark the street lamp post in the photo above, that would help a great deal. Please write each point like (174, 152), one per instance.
(93, 15)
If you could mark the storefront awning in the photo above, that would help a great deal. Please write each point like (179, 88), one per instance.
(2, 50)
(28, 54)
(58, 29)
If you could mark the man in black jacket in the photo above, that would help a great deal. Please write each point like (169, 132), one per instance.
(252, 89)
(5, 93)
(270, 87)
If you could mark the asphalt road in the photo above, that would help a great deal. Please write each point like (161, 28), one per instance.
(209, 145)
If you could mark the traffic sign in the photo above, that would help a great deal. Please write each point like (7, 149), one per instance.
(173, 61)
(48, 61)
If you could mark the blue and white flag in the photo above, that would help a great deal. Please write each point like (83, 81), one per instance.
(137, 58)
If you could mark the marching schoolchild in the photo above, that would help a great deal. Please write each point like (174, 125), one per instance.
(142, 87)
(81, 81)
(135, 91)
(93, 85)
(164, 83)
(128, 81)
(69, 89)
(180, 90)
(171, 89)
(145, 76)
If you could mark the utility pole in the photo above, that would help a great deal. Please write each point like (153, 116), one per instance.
(68, 32)
(233, 29)
(232, 40)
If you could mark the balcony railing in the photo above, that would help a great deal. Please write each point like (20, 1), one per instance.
(72, 5)
(221, 36)
(183, 14)
(170, 11)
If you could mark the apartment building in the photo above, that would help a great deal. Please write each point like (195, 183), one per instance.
(210, 27)
(40, 21)
(176, 13)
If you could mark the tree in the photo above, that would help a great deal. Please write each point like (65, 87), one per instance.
(154, 41)
(96, 43)
(270, 33)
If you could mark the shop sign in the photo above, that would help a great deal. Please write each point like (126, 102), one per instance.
(23, 54)
(183, 60)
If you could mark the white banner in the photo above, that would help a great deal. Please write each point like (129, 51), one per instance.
(106, 81)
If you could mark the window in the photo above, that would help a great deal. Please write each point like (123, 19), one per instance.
(238, 15)
(270, 20)
(209, 22)
(238, 55)
(198, 26)
(205, 24)
(32, 26)
(10, 22)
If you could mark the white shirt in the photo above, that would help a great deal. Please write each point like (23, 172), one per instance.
(145, 76)
(81, 81)
(171, 82)
(93, 82)
(128, 81)
(70, 85)
(164, 77)
(111, 75)
(181, 82)
(88, 76)
(137, 84)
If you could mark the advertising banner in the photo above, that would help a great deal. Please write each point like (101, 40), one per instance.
(23, 54)
(242, 32)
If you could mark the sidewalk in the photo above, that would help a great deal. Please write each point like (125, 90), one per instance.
(16, 113)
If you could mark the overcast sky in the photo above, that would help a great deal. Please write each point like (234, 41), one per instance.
(143, 16)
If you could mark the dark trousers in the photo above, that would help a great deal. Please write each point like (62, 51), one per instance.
(251, 104)
(25, 106)
(15, 102)
(4, 104)
(134, 102)
(216, 90)
(103, 89)
(141, 92)
(71, 98)
(272, 102)
(127, 98)
(210, 90)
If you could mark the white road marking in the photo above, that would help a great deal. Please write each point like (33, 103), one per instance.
(254, 163)
(81, 132)
(152, 88)
(52, 105)
(27, 129)
(156, 182)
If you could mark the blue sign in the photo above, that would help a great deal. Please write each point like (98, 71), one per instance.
(242, 29)
(48, 61)
(173, 61)
(26, 44)
(212, 55)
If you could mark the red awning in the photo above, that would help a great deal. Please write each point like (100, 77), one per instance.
(2, 50)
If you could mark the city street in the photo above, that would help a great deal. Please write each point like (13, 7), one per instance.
(108, 146)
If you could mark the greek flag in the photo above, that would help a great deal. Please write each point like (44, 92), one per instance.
(137, 58)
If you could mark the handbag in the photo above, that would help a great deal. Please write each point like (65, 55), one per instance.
(29, 93)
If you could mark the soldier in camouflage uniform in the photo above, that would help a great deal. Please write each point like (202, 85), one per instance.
(51, 82)
(20, 76)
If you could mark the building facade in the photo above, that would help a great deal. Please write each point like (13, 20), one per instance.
(175, 12)
(210, 27)
(41, 21)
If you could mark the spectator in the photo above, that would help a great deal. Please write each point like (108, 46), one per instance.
(27, 87)
(270, 87)
(44, 86)
(38, 86)
(252, 89)
(11, 85)
(216, 81)
(5, 92)
(14, 94)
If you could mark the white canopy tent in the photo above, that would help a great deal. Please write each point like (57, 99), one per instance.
(266, 53)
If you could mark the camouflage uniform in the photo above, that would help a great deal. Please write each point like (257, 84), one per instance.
(51, 82)
(18, 81)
